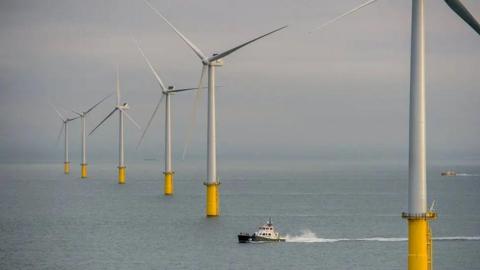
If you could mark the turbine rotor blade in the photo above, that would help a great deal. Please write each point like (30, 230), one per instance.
(118, 87)
(195, 49)
(159, 80)
(185, 89)
(71, 119)
(225, 53)
(60, 134)
(75, 112)
(98, 103)
(58, 112)
(131, 119)
(462, 11)
(151, 119)
(105, 119)
(344, 14)
(194, 113)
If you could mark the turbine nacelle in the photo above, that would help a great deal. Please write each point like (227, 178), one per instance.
(124, 106)
(216, 63)
(69, 119)
(170, 90)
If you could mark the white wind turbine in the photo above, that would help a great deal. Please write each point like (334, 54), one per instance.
(212, 182)
(122, 110)
(64, 130)
(166, 93)
(419, 234)
(83, 116)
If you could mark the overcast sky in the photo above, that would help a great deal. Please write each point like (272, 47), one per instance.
(341, 90)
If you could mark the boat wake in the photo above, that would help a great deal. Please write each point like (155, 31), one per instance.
(308, 236)
(467, 174)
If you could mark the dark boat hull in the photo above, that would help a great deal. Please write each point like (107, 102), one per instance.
(246, 238)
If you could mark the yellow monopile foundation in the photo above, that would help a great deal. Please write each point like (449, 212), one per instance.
(213, 199)
(168, 183)
(419, 241)
(66, 167)
(83, 169)
(121, 175)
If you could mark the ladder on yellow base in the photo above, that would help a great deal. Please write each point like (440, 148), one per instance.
(429, 247)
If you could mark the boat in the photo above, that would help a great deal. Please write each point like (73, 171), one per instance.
(449, 173)
(265, 233)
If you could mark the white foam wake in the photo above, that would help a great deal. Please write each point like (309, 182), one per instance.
(457, 238)
(467, 174)
(308, 236)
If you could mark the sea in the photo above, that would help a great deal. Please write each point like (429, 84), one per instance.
(341, 214)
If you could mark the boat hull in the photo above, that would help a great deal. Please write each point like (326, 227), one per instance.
(246, 238)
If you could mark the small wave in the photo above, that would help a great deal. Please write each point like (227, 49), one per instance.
(467, 174)
(308, 236)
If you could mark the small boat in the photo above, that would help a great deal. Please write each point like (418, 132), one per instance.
(265, 233)
(449, 173)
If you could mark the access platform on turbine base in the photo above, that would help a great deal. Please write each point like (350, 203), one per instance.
(419, 240)
(213, 199)
(168, 188)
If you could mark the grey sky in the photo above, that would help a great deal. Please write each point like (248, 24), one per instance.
(340, 90)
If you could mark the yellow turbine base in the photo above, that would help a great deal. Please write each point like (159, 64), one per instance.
(419, 241)
(66, 167)
(83, 169)
(121, 175)
(417, 244)
(213, 199)
(168, 183)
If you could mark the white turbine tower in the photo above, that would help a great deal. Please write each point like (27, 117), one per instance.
(166, 93)
(83, 116)
(212, 182)
(122, 110)
(419, 234)
(64, 130)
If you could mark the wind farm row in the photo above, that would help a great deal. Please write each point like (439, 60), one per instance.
(418, 214)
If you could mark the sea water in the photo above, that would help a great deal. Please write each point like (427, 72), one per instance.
(335, 215)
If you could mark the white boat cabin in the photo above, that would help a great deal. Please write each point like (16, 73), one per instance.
(267, 231)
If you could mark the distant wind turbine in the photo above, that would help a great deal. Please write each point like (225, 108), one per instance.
(122, 110)
(83, 116)
(418, 216)
(64, 130)
(166, 93)
(212, 182)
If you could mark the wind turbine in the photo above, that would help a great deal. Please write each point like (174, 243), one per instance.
(166, 93)
(122, 110)
(64, 129)
(418, 216)
(83, 115)
(216, 60)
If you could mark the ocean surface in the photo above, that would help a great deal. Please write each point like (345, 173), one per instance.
(335, 214)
